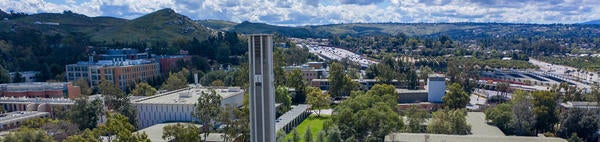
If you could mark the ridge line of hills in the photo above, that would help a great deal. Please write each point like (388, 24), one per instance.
(167, 25)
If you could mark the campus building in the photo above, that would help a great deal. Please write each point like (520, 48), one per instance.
(122, 72)
(178, 105)
(40, 90)
(309, 71)
(15, 119)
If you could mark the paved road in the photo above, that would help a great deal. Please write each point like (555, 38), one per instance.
(480, 127)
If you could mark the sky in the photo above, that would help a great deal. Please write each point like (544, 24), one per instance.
(318, 12)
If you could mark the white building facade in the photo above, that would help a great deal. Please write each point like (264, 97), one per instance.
(436, 88)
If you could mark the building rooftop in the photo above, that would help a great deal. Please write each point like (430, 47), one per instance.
(116, 62)
(32, 86)
(20, 116)
(410, 91)
(155, 133)
(580, 105)
(290, 116)
(25, 100)
(187, 96)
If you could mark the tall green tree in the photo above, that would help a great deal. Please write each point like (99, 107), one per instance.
(317, 99)
(282, 96)
(176, 80)
(118, 125)
(296, 81)
(4, 77)
(281, 136)
(181, 133)
(113, 96)
(295, 136)
(546, 113)
(86, 136)
(416, 117)
(340, 84)
(308, 137)
(449, 122)
(523, 115)
(456, 98)
(86, 113)
(580, 122)
(207, 110)
(84, 86)
(143, 89)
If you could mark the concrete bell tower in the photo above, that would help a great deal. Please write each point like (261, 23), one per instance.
(261, 88)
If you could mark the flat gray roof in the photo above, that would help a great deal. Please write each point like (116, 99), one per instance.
(187, 96)
(155, 132)
(20, 116)
(287, 117)
(410, 91)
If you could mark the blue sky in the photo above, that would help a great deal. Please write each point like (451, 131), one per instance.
(313, 12)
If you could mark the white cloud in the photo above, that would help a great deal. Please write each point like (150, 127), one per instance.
(303, 12)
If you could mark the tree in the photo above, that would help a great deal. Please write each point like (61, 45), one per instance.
(523, 115)
(449, 122)
(321, 137)
(415, 117)
(86, 113)
(545, 110)
(281, 136)
(308, 137)
(317, 99)
(230, 132)
(217, 83)
(17, 78)
(503, 88)
(25, 134)
(579, 122)
(118, 125)
(87, 136)
(424, 72)
(4, 76)
(456, 98)
(574, 138)
(501, 115)
(84, 86)
(181, 133)
(387, 92)
(295, 136)
(143, 89)
(176, 80)
(339, 83)
(296, 81)
(334, 134)
(113, 96)
(282, 96)
(208, 110)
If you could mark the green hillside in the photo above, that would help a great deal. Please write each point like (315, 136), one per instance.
(220, 25)
(164, 24)
(248, 27)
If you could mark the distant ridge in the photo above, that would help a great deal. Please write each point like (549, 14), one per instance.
(592, 22)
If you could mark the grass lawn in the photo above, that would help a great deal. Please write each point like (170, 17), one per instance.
(315, 123)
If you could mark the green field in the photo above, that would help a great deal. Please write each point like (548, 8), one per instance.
(315, 123)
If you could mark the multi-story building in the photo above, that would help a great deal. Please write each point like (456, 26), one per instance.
(40, 90)
(125, 53)
(28, 76)
(170, 63)
(178, 105)
(308, 72)
(123, 73)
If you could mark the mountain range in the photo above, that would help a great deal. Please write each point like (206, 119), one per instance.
(168, 25)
